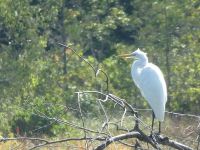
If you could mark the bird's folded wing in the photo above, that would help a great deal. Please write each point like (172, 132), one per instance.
(153, 88)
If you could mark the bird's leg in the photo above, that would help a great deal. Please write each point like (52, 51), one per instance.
(152, 134)
(159, 131)
(153, 116)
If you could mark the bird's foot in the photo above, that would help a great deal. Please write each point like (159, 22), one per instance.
(154, 136)
(157, 133)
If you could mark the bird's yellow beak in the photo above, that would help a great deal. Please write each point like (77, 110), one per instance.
(126, 55)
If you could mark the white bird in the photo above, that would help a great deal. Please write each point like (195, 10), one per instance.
(150, 80)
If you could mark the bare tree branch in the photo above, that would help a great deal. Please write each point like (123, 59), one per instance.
(142, 137)
(65, 140)
(105, 136)
(96, 71)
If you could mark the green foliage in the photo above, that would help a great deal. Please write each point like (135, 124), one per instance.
(30, 125)
(32, 76)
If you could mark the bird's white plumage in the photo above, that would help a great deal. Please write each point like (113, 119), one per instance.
(150, 80)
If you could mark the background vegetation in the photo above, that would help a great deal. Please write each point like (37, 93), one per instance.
(36, 74)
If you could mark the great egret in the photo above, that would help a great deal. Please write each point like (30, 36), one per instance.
(150, 80)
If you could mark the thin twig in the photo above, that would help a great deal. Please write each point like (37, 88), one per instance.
(83, 123)
(64, 140)
(96, 71)
(173, 113)
(106, 138)
(74, 125)
(79, 57)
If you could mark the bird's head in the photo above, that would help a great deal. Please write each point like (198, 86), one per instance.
(138, 54)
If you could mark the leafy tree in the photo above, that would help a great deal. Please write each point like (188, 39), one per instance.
(37, 75)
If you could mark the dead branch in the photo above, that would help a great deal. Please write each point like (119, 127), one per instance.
(22, 138)
(137, 133)
(142, 137)
(105, 136)
(96, 71)
(64, 140)
(45, 142)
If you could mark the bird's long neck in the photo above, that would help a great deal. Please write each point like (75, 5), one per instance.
(141, 62)
(136, 69)
(135, 72)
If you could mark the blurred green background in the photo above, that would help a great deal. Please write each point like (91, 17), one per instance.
(37, 75)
